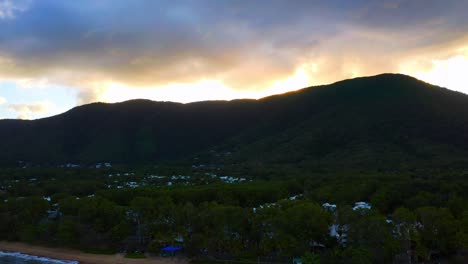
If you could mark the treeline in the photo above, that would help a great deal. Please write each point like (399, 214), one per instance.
(418, 216)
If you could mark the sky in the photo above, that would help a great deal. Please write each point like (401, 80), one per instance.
(57, 54)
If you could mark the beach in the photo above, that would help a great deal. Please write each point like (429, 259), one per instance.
(83, 258)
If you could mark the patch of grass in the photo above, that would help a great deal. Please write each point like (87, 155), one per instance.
(135, 255)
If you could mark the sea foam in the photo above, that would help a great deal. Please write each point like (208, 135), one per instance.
(18, 255)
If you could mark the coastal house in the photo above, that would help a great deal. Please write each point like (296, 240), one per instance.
(329, 207)
(361, 205)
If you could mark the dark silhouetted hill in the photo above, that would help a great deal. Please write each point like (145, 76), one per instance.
(385, 121)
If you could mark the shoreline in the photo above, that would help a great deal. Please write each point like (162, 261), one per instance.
(83, 258)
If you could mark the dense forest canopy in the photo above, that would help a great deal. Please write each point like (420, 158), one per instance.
(365, 217)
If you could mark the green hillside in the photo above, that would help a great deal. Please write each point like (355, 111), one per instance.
(384, 122)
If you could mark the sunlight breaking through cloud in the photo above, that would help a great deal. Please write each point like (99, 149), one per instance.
(185, 52)
(450, 73)
(199, 91)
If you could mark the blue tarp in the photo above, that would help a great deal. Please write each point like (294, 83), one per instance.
(170, 248)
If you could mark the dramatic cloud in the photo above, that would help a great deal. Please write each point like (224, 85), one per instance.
(167, 49)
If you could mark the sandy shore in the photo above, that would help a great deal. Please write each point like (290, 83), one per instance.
(83, 258)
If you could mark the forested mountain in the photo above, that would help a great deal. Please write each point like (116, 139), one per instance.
(378, 163)
(384, 121)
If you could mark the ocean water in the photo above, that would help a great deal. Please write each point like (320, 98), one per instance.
(19, 258)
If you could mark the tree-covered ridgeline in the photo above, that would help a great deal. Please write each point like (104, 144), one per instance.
(384, 122)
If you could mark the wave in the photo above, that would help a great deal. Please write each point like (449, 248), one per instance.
(18, 255)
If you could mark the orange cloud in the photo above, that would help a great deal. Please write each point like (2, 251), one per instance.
(188, 53)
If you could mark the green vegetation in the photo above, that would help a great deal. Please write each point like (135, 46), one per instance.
(267, 180)
(419, 214)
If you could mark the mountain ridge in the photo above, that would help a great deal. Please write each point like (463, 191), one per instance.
(142, 100)
(325, 125)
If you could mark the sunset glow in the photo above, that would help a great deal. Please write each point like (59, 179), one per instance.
(199, 91)
(187, 52)
(450, 73)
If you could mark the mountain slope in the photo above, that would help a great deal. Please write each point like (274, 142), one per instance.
(387, 120)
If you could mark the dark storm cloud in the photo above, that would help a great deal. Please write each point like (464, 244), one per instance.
(240, 42)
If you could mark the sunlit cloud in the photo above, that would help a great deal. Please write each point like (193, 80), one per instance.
(450, 73)
(2, 100)
(198, 91)
(300, 79)
(28, 111)
(177, 92)
(185, 51)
